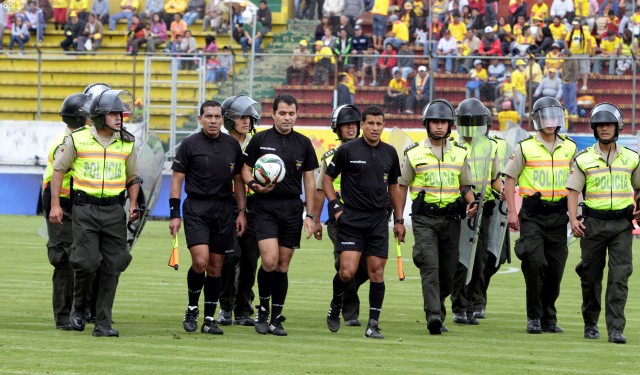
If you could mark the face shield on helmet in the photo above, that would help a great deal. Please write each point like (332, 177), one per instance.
(235, 107)
(110, 101)
(74, 110)
(95, 88)
(548, 117)
(470, 118)
(488, 119)
(345, 114)
(439, 109)
(606, 113)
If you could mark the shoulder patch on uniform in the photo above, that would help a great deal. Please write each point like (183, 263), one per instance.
(126, 136)
(79, 129)
(628, 149)
(526, 139)
(328, 153)
(411, 146)
(459, 145)
(496, 138)
(566, 138)
(582, 152)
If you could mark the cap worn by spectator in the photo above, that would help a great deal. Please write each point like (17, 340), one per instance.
(507, 74)
(408, 5)
(520, 62)
(422, 68)
(303, 42)
(393, 18)
(555, 45)
(575, 22)
(447, 32)
(552, 70)
(73, 14)
(476, 62)
(358, 27)
(318, 43)
(488, 29)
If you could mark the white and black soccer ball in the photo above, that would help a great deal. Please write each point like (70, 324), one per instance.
(269, 169)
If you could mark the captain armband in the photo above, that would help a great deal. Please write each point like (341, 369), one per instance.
(174, 208)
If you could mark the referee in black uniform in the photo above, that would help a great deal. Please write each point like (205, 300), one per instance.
(369, 170)
(209, 161)
(278, 208)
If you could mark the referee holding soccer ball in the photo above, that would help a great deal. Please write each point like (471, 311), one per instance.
(278, 209)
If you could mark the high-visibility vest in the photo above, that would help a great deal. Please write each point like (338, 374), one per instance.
(327, 159)
(544, 172)
(65, 191)
(99, 172)
(608, 187)
(439, 179)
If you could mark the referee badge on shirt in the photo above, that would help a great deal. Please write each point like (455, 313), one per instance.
(385, 177)
(299, 164)
(231, 167)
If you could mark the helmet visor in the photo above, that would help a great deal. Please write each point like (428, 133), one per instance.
(548, 117)
(244, 106)
(470, 126)
(112, 101)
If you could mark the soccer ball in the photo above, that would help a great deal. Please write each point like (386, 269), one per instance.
(269, 169)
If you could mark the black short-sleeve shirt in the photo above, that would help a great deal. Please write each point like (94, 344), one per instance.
(209, 165)
(294, 149)
(365, 173)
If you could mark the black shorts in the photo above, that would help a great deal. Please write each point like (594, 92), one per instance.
(364, 231)
(209, 222)
(279, 218)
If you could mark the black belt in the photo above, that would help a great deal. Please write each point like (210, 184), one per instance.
(626, 213)
(208, 197)
(81, 198)
(538, 206)
(450, 211)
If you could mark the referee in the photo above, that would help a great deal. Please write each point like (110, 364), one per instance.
(369, 171)
(278, 209)
(208, 162)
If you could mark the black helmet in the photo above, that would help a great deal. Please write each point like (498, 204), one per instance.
(470, 118)
(606, 113)
(109, 101)
(547, 112)
(74, 111)
(238, 106)
(488, 119)
(345, 114)
(438, 109)
(95, 89)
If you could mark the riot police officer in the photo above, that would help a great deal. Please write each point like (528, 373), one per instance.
(345, 123)
(541, 165)
(241, 115)
(607, 175)
(73, 114)
(104, 166)
(436, 173)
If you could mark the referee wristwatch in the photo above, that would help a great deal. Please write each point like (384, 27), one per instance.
(311, 216)
(399, 221)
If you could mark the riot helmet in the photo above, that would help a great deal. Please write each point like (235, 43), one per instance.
(470, 118)
(235, 107)
(74, 110)
(438, 109)
(110, 101)
(547, 113)
(345, 114)
(606, 113)
(488, 119)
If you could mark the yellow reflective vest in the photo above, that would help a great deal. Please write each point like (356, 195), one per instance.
(327, 159)
(439, 179)
(608, 187)
(546, 172)
(97, 171)
(65, 191)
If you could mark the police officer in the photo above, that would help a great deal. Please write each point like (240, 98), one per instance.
(73, 114)
(241, 115)
(479, 298)
(471, 122)
(607, 174)
(437, 176)
(541, 165)
(345, 123)
(369, 171)
(104, 165)
(208, 162)
(278, 209)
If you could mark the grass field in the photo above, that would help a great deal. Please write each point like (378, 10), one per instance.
(152, 297)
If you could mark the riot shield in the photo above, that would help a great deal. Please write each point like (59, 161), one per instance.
(150, 157)
(479, 160)
(400, 141)
(499, 226)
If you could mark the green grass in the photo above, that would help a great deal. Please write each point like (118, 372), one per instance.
(152, 297)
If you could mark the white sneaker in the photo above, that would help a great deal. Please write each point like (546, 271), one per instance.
(374, 83)
(361, 83)
(584, 88)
